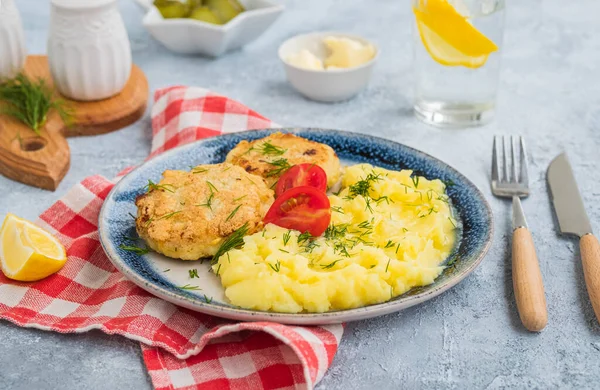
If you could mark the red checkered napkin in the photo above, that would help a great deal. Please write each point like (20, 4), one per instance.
(182, 349)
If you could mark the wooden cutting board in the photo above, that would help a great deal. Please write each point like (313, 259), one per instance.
(42, 161)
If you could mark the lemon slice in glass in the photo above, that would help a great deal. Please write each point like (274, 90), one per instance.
(27, 252)
(449, 37)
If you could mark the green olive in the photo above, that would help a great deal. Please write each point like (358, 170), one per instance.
(206, 15)
(170, 9)
(225, 9)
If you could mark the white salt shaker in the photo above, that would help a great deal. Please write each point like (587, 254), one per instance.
(12, 40)
(88, 49)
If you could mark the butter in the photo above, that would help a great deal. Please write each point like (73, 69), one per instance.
(347, 53)
(343, 53)
(306, 60)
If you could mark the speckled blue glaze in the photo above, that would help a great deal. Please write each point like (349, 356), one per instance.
(472, 209)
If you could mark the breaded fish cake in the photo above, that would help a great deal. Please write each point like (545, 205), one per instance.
(187, 215)
(269, 157)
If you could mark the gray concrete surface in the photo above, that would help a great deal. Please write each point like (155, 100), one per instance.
(468, 338)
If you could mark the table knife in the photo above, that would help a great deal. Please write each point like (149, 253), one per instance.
(573, 219)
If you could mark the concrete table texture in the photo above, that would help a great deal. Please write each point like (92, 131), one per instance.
(471, 336)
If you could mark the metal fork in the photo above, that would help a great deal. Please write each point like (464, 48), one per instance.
(527, 278)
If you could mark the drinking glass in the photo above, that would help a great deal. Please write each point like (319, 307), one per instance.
(448, 93)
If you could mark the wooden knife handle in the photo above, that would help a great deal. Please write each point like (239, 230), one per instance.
(590, 256)
(527, 282)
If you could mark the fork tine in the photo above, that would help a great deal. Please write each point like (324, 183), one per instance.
(524, 178)
(513, 158)
(495, 172)
(504, 162)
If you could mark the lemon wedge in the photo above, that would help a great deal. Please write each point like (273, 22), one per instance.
(449, 37)
(27, 252)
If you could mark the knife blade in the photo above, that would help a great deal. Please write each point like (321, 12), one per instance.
(572, 219)
(568, 205)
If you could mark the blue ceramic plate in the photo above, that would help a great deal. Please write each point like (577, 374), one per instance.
(164, 277)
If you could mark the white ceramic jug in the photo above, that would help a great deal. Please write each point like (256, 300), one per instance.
(88, 49)
(12, 40)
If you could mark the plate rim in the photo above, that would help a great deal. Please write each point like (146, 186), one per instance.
(325, 318)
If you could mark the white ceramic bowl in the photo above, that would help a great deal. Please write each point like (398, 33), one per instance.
(188, 36)
(325, 85)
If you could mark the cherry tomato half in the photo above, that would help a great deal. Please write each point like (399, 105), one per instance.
(302, 175)
(305, 209)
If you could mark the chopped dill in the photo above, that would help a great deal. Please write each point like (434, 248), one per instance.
(195, 171)
(167, 270)
(363, 186)
(235, 240)
(415, 180)
(372, 266)
(452, 222)
(208, 201)
(334, 231)
(283, 250)
(189, 287)
(193, 273)
(330, 265)
(240, 198)
(212, 187)
(389, 244)
(135, 249)
(208, 300)
(405, 188)
(268, 149)
(218, 270)
(388, 265)
(233, 213)
(397, 247)
(286, 237)
(382, 199)
(168, 215)
(226, 169)
(337, 209)
(132, 216)
(281, 165)
(151, 186)
(449, 183)
(404, 230)
(304, 237)
(452, 261)
(276, 267)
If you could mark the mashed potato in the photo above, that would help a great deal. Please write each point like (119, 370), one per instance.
(389, 232)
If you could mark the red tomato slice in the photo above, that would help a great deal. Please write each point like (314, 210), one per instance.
(305, 209)
(302, 175)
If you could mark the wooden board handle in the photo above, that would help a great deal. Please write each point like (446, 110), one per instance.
(527, 282)
(590, 256)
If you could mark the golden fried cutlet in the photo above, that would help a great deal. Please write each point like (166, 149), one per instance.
(187, 215)
(270, 156)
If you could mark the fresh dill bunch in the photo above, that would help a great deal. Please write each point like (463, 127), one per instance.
(235, 240)
(30, 101)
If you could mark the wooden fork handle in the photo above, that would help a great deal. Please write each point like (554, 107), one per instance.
(527, 282)
(590, 257)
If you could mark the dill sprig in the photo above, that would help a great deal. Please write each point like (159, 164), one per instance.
(135, 249)
(240, 198)
(189, 287)
(363, 187)
(233, 213)
(151, 186)
(286, 237)
(207, 299)
(193, 273)
(268, 149)
(30, 101)
(212, 187)
(334, 231)
(415, 180)
(389, 244)
(337, 209)
(281, 165)
(306, 236)
(276, 267)
(235, 240)
(208, 201)
(330, 265)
